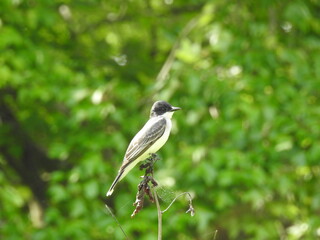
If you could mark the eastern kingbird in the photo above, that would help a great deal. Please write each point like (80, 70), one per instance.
(149, 139)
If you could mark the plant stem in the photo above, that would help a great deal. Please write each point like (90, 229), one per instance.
(117, 221)
(159, 214)
(189, 196)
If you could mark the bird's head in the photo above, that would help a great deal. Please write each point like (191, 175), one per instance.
(162, 107)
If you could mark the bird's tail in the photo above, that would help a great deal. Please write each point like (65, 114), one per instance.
(116, 180)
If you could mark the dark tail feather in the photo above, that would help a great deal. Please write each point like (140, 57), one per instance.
(114, 183)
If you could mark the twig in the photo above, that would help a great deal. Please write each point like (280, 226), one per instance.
(114, 217)
(215, 234)
(191, 209)
(159, 214)
(143, 187)
(160, 80)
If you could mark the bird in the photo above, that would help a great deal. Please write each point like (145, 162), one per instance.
(153, 135)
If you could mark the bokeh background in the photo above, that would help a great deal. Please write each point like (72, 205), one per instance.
(78, 78)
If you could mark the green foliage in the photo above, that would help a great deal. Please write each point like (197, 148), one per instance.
(79, 78)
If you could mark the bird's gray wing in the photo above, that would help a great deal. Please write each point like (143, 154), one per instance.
(147, 136)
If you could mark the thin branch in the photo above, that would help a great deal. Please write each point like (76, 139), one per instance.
(191, 209)
(144, 187)
(114, 217)
(147, 187)
(159, 214)
(215, 234)
(162, 76)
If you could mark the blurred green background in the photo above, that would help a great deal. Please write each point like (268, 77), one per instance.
(78, 78)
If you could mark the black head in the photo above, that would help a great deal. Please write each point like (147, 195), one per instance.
(161, 107)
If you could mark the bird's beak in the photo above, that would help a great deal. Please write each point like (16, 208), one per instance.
(173, 109)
